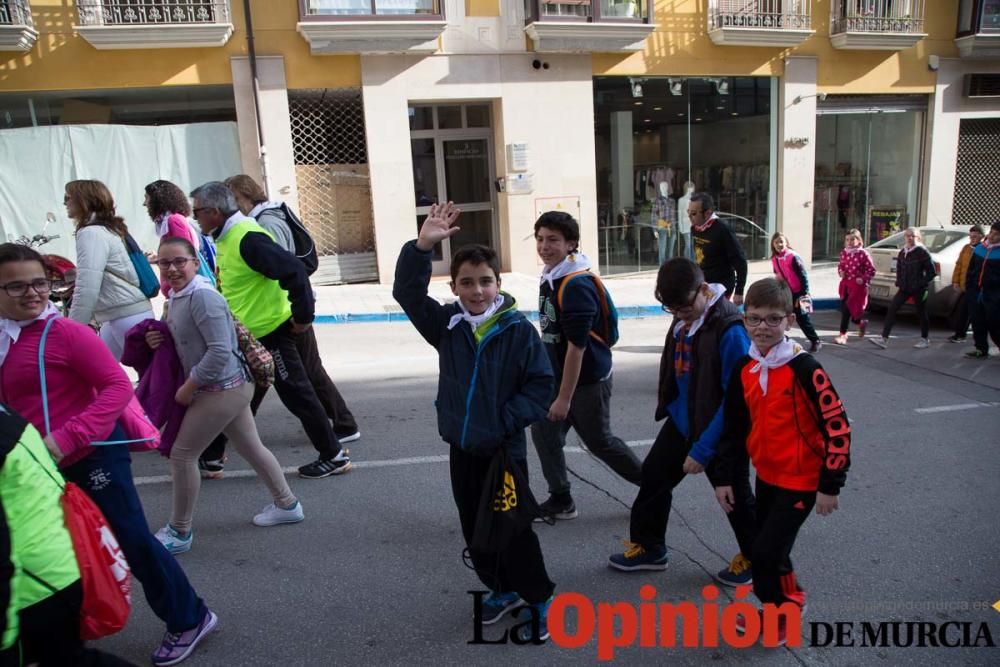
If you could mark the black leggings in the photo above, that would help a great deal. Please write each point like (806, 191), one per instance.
(919, 300)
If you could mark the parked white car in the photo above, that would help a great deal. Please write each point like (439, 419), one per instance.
(944, 245)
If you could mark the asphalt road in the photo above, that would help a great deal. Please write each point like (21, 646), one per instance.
(374, 575)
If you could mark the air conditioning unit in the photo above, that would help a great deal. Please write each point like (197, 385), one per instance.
(982, 85)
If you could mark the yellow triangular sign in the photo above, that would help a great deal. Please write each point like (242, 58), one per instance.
(996, 605)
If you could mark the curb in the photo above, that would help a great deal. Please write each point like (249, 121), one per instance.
(624, 312)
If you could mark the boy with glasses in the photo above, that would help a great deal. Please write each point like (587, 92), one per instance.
(782, 410)
(704, 344)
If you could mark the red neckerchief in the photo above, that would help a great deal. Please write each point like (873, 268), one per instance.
(705, 225)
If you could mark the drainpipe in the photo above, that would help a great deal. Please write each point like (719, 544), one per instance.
(255, 83)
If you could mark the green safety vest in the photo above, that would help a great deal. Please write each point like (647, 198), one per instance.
(257, 301)
(31, 494)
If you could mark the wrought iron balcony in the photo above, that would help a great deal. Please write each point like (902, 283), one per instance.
(371, 26)
(154, 24)
(890, 25)
(760, 22)
(587, 26)
(17, 31)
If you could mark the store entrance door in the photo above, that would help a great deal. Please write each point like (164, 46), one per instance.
(455, 165)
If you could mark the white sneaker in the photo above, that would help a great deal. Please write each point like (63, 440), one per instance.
(272, 515)
(879, 341)
(173, 541)
(922, 344)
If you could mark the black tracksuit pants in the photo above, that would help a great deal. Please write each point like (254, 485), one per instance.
(332, 402)
(520, 567)
(662, 471)
(780, 515)
(803, 319)
(919, 302)
(984, 311)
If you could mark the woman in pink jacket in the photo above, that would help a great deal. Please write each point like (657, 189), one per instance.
(86, 393)
(169, 209)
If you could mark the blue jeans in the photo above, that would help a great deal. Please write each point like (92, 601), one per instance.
(666, 242)
(106, 476)
(686, 245)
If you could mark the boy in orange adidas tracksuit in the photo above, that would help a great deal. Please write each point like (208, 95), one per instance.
(782, 410)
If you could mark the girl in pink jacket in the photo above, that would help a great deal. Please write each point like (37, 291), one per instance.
(86, 393)
(169, 209)
(856, 271)
(790, 269)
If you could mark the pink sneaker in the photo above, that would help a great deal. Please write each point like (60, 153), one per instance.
(177, 647)
(840, 340)
(862, 328)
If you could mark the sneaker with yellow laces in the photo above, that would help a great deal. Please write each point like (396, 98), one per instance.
(638, 557)
(739, 572)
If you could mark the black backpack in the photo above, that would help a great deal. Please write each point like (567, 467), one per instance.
(305, 247)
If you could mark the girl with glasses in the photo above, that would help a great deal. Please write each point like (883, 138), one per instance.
(217, 392)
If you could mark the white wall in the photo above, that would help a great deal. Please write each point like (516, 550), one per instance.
(948, 107)
(797, 160)
(555, 120)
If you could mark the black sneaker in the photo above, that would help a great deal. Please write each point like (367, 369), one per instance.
(212, 469)
(977, 354)
(956, 339)
(320, 468)
(349, 437)
(559, 508)
(815, 346)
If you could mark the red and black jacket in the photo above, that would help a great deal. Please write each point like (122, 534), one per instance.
(798, 435)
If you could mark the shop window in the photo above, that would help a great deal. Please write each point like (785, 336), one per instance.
(653, 135)
(867, 175)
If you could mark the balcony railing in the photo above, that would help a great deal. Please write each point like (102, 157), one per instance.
(767, 14)
(585, 10)
(151, 12)
(15, 12)
(352, 9)
(886, 16)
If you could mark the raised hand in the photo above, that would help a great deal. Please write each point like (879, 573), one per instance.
(438, 225)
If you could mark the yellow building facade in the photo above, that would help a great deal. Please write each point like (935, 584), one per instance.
(802, 116)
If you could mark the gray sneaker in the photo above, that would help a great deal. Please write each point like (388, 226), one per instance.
(879, 341)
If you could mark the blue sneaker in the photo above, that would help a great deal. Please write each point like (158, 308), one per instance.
(739, 572)
(497, 605)
(638, 557)
(526, 633)
(173, 541)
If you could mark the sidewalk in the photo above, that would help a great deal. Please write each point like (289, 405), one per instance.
(633, 295)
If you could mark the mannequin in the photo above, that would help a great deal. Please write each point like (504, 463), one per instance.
(664, 222)
(683, 224)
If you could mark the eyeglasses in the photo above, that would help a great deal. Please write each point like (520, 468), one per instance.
(176, 262)
(196, 211)
(772, 320)
(674, 307)
(40, 285)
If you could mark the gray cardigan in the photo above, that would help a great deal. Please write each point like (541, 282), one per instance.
(205, 337)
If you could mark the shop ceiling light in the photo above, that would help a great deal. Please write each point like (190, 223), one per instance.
(636, 85)
(676, 86)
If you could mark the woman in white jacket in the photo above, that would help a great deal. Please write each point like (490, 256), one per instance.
(107, 285)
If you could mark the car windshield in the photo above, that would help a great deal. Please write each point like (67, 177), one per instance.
(935, 240)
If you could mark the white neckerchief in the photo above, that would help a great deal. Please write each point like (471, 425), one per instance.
(779, 355)
(907, 249)
(161, 224)
(851, 251)
(197, 283)
(717, 292)
(10, 330)
(575, 261)
(263, 206)
(475, 320)
(703, 227)
(232, 220)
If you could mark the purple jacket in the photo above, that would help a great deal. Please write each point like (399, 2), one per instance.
(160, 376)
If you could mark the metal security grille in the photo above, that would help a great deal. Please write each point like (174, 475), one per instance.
(977, 172)
(331, 173)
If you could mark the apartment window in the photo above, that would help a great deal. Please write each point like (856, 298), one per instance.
(389, 8)
(978, 16)
(585, 10)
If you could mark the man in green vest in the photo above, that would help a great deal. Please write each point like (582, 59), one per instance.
(267, 289)
(40, 587)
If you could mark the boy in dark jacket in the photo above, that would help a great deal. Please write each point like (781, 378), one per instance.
(782, 409)
(982, 293)
(570, 317)
(914, 274)
(495, 381)
(704, 343)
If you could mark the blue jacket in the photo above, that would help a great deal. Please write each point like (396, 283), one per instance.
(983, 277)
(490, 391)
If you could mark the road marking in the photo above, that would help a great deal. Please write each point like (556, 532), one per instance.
(954, 408)
(381, 463)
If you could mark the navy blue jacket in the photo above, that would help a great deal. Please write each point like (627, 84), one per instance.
(489, 392)
(982, 280)
(580, 314)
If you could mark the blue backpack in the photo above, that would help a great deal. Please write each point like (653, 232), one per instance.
(609, 314)
(149, 284)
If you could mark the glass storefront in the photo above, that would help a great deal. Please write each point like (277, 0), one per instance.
(867, 171)
(654, 135)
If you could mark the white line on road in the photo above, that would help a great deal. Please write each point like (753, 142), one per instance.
(953, 408)
(383, 463)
